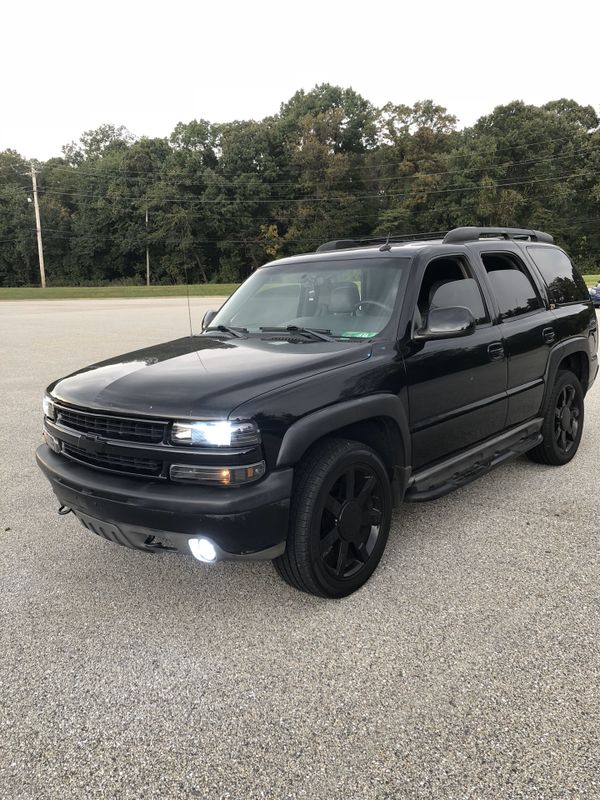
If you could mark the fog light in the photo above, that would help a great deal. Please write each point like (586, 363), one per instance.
(203, 550)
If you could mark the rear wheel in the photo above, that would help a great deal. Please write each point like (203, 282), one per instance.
(339, 519)
(563, 422)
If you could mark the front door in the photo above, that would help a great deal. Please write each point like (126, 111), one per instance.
(457, 386)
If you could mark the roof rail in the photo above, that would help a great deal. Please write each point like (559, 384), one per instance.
(349, 244)
(472, 234)
(338, 244)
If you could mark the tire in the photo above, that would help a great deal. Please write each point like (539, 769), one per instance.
(339, 524)
(563, 422)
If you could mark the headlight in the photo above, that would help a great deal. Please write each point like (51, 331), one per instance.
(219, 433)
(48, 407)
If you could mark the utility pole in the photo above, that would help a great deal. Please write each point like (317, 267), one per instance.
(38, 226)
(147, 252)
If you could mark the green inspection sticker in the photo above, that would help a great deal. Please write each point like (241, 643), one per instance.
(358, 334)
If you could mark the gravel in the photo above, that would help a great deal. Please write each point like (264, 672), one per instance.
(466, 668)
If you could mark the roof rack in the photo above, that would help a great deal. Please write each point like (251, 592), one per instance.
(472, 234)
(349, 244)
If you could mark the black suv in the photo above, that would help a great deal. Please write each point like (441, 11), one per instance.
(329, 388)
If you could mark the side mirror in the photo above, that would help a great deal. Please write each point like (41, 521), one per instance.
(446, 323)
(208, 318)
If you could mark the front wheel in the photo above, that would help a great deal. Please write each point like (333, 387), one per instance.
(563, 422)
(339, 519)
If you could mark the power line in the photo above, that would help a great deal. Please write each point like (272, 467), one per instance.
(164, 239)
(170, 178)
(56, 233)
(317, 199)
(320, 209)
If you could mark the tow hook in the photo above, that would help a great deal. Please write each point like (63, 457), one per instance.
(64, 510)
(151, 544)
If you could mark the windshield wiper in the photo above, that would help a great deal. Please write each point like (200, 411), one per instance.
(238, 332)
(313, 333)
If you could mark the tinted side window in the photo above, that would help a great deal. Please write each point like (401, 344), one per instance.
(511, 284)
(565, 284)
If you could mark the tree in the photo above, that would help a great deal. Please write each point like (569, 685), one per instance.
(95, 143)
(18, 253)
(224, 198)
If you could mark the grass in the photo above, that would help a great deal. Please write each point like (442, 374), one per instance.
(91, 292)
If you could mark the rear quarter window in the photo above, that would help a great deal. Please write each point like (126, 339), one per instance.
(565, 284)
(511, 284)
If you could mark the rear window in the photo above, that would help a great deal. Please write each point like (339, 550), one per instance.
(511, 284)
(565, 284)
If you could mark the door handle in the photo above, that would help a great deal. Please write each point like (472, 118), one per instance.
(496, 351)
(548, 335)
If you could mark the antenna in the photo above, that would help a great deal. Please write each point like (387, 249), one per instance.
(187, 286)
(387, 245)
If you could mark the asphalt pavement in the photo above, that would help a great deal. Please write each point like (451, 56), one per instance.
(467, 667)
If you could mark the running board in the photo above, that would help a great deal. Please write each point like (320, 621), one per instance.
(433, 482)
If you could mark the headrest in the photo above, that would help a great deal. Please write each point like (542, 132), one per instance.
(459, 293)
(344, 298)
(434, 287)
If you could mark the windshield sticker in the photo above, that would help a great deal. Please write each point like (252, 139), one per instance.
(359, 334)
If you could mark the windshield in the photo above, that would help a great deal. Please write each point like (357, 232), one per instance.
(348, 299)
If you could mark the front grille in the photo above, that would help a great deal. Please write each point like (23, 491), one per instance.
(123, 428)
(116, 463)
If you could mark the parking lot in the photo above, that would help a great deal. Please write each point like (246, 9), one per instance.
(466, 668)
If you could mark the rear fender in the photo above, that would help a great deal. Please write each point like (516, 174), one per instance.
(578, 344)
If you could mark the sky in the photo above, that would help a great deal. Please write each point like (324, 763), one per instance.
(67, 67)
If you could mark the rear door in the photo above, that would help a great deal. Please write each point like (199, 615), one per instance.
(567, 293)
(456, 387)
(527, 327)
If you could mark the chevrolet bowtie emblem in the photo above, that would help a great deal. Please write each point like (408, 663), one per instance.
(91, 443)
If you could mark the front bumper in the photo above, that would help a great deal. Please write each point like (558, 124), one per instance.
(593, 370)
(248, 522)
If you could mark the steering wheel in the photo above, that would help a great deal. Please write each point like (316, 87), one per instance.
(372, 303)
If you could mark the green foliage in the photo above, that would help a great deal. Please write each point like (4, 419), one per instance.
(224, 198)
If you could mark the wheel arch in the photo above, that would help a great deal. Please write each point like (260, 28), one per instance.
(379, 421)
(572, 355)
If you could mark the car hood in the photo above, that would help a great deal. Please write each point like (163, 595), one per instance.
(200, 376)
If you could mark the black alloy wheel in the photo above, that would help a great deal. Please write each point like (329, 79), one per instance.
(339, 520)
(563, 422)
(566, 418)
(351, 515)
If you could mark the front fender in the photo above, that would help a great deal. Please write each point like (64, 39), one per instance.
(307, 430)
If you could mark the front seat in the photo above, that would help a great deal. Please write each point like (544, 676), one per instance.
(344, 298)
(433, 290)
(463, 293)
